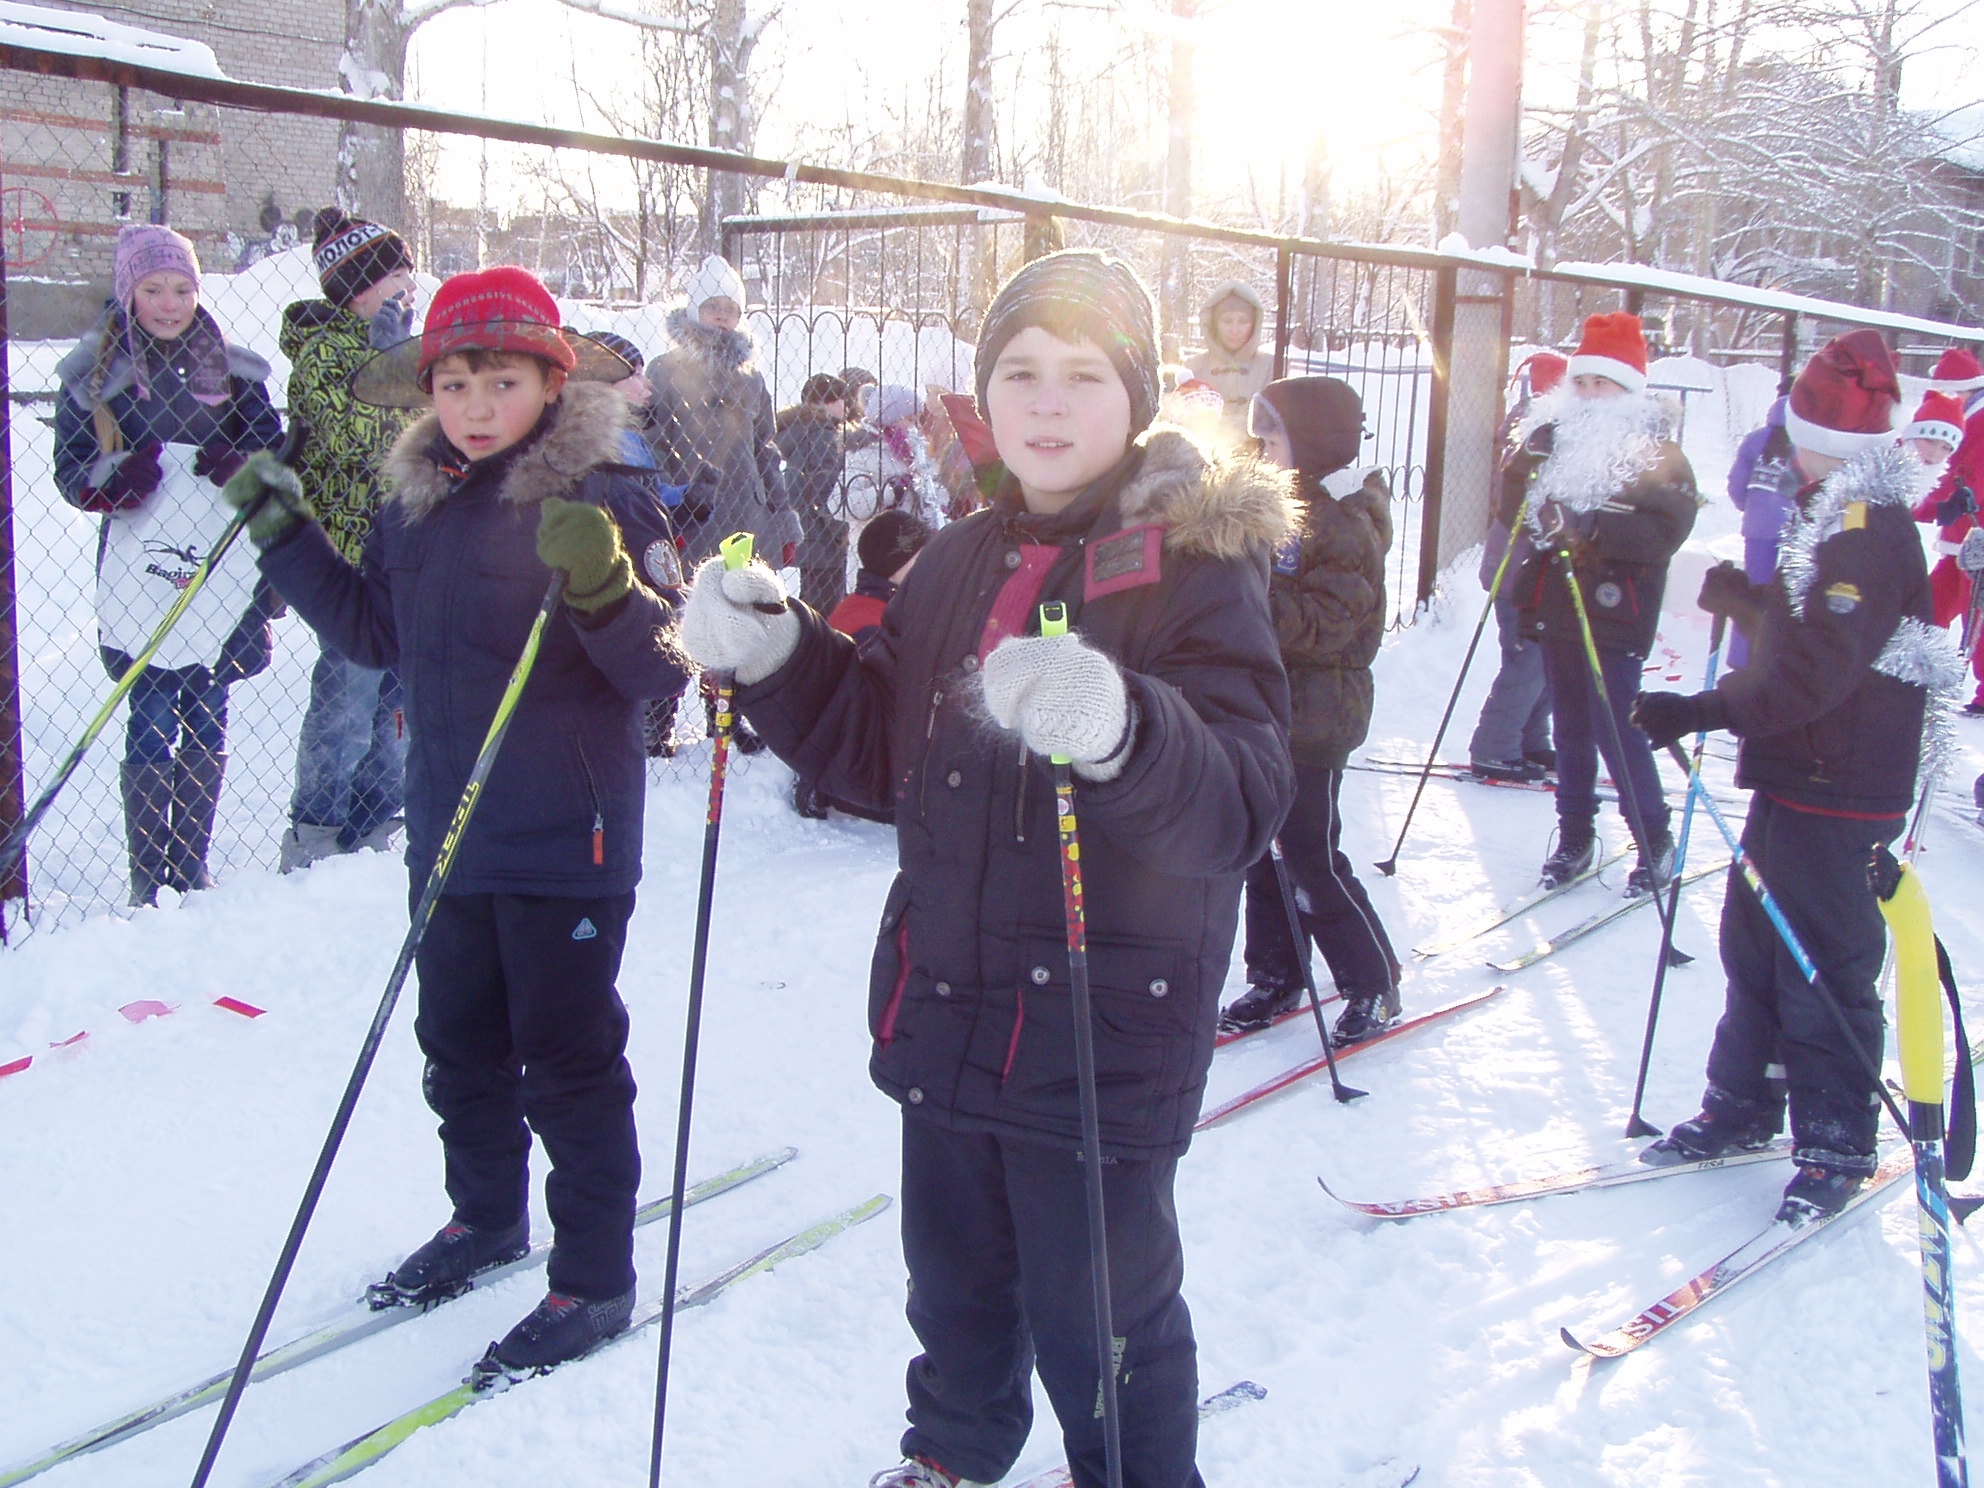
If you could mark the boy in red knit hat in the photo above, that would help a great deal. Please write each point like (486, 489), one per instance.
(512, 478)
(1830, 716)
(1610, 498)
(1952, 502)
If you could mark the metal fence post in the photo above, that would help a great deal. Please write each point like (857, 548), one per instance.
(13, 762)
(1284, 296)
(1446, 287)
(1787, 351)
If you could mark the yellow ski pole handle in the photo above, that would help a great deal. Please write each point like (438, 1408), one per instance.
(1054, 622)
(1918, 989)
(737, 550)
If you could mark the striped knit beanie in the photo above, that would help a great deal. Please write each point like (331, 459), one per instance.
(1080, 294)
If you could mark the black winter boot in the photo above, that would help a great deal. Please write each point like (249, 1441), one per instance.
(195, 799)
(446, 1265)
(1818, 1191)
(1576, 854)
(148, 829)
(1655, 868)
(562, 1327)
(1259, 1006)
(1708, 1137)
(1365, 1014)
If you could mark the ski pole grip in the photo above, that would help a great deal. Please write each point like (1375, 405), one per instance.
(1054, 622)
(1918, 990)
(736, 550)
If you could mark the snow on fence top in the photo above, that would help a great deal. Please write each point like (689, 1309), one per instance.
(81, 34)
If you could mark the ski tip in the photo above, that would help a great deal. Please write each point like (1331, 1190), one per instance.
(1570, 1340)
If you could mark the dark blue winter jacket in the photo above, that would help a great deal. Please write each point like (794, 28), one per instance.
(445, 594)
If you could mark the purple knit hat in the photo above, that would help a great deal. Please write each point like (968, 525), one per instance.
(145, 248)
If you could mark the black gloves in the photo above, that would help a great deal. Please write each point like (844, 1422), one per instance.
(134, 477)
(1727, 590)
(1960, 503)
(1665, 716)
(218, 462)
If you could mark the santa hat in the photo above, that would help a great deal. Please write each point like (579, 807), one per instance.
(1957, 365)
(504, 309)
(1544, 370)
(1612, 346)
(352, 254)
(714, 279)
(1844, 401)
(1939, 417)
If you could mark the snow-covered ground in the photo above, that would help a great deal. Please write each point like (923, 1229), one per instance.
(151, 1171)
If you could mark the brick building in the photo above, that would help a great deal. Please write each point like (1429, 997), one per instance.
(78, 160)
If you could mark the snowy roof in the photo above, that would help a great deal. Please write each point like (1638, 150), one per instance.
(81, 34)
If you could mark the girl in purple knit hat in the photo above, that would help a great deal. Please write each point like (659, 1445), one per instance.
(156, 411)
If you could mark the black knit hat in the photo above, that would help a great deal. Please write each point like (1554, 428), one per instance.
(889, 541)
(1080, 294)
(624, 349)
(823, 387)
(352, 254)
(1324, 419)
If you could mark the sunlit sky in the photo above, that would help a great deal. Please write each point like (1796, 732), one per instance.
(1272, 74)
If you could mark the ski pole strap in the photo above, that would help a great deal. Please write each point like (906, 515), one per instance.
(1054, 622)
(1960, 1141)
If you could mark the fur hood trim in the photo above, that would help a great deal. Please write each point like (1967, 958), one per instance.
(719, 351)
(1889, 476)
(585, 433)
(73, 371)
(1222, 506)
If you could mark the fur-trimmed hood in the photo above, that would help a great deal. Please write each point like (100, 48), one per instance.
(585, 432)
(1222, 506)
(715, 351)
(73, 371)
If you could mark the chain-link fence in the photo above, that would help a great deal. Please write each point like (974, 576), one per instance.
(876, 282)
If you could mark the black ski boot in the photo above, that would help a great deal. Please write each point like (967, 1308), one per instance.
(195, 800)
(1576, 854)
(1365, 1014)
(447, 1265)
(1508, 771)
(1818, 1191)
(1708, 1137)
(1259, 1006)
(559, 1328)
(1655, 868)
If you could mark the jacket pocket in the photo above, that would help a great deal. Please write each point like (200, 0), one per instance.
(1142, 994)
(888, 973)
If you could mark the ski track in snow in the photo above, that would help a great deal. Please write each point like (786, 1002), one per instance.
(151, 1172)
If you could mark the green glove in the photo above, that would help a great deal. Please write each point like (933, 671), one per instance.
(584, 541)
(286, 505)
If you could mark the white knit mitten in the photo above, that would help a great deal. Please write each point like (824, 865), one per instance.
(737, 620)
(1061, 697)
(1971, 557)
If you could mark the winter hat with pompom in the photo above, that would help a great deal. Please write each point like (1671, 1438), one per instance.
(1542, 372)
(1844, 401)
(1612, 346)
(352, 254)
(714, 279)
(1080, 295)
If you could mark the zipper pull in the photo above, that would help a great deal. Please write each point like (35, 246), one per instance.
(598, 840)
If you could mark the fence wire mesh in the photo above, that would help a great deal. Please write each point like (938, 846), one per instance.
(882, 292)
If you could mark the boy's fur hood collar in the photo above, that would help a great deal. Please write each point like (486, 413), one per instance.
(585, 433)
(1224, 507)
(718, 351)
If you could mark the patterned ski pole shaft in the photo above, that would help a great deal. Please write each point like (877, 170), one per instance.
(736, 553)
(1919, 1021)
(1054, 622)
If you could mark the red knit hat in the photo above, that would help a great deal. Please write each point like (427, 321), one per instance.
(1844, 401)
(1545, 370)
(1939, 417)
(1612, 346)
(501, 309)
(1957, 365)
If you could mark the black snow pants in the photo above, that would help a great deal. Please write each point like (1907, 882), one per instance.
(995, 1233)
(521, 1023)
(1775, 1032)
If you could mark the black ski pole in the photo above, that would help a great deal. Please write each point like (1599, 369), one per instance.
(1390, 865)
(1807, 968)
(1637, 1125)
(17, 840)
(1054, 621)
(1629, 802)
(1345, 1094)
(368, 1050)
(736, 550)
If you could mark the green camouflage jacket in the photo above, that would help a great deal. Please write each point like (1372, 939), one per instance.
(349, 440)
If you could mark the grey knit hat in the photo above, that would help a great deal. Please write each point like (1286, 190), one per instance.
(1080, 294)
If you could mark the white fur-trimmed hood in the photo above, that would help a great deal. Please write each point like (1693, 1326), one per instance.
(590, 418)
(1220, 506)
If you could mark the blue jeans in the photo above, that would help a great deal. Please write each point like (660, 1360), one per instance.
(1515, 719)
(350, 752)
(174, 709)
